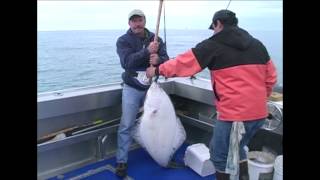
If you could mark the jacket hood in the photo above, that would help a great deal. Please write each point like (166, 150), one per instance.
(234, 37)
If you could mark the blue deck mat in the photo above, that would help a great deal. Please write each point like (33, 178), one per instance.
(140, 167)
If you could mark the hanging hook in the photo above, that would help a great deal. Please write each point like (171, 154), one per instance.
(156, 79)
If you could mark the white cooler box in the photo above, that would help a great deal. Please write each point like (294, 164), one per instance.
(197, 157)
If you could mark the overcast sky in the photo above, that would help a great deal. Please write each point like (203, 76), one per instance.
(98, 15)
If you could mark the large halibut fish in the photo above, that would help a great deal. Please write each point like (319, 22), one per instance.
(159, 131)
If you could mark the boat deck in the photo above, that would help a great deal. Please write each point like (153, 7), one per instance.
(140, 167)
(87, 153)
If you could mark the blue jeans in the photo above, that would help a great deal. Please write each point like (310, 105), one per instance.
(219, 145)
(132, 100)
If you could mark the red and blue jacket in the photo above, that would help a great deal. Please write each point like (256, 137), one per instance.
(242, 73)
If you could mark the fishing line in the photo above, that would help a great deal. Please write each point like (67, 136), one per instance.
(164, 24)
(228, 4)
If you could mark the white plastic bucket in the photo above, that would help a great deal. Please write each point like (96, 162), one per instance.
(278, 168)
(259, 162)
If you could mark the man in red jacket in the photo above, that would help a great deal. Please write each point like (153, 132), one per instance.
(242, 76)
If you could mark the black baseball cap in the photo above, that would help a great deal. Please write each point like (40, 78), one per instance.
(226, 16)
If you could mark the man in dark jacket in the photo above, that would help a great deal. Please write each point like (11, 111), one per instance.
(137, 50)
(242, 77)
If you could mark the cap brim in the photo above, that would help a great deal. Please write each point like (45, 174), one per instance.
(211, 27)
(136, 15)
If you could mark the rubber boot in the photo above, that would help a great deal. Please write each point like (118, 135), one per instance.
(243, 174)
(222, 176)
(121, 169)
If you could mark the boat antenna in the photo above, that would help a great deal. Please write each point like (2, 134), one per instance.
(228, 4)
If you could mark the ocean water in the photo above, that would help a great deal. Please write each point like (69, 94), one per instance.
(71, 59)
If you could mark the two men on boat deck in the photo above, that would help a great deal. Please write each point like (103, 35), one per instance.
(242, 77)
(137, 51)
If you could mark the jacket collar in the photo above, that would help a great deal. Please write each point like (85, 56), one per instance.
(147, 32)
